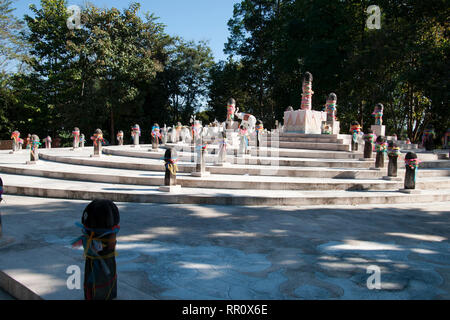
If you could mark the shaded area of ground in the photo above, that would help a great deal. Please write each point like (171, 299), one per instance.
(222, 252)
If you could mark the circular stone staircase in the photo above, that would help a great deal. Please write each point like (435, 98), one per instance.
(291, 169)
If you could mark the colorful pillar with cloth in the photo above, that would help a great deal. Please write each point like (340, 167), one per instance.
(412, 166)
(15, 136)
(97, 138)
(99, 225)
(76, 137)
(330, 107)
(135, 133)
(355, 130)
(35, 143)
(378, 114)
(307, 92)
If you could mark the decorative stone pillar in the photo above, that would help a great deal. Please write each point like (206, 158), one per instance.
(97, 138)
(222, 155)
(369, 139)
(307, 92)
(120, 138)
(178, 129)
(446, 139)
(355, 130)
(100, 225)
(76, 138)
(48, 142)
(428, 138)
(381, 149)
(28, 141)
(170, 177)
(378, 128)
(411, 166)
(393, 154)
(331, 126)
(200, 168)
(82, 140)
(164, 134)
(259, 129)
(15, 136)
(135, 134)
(156, 135)
(34, 149)
(231, 109)
(243, 138)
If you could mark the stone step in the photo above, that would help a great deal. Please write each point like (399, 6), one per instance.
(275, 152)
(54, 188)
(127, 163)
(114, 176)
(310, 145)
(272, 161)
(300, 139)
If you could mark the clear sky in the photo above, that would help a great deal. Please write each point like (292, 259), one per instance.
(191, 19)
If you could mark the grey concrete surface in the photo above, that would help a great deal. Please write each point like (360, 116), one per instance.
(5, 296)
(222, 252)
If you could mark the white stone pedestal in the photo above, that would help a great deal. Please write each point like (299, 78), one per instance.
(170, 189)
(392, 178)
(379, 130)
(201, 174)
(410, 191)
(304, 121)
(223, 164)
(334, 125)
(31, 162)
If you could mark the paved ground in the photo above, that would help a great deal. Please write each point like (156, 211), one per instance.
(5, 296)
(222, 252)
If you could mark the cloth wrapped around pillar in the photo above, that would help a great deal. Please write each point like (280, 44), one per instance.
(393, 153)
(100, 225)
(411, 166)
(355, 130)
(381, 149)
(34, 150)
(156, 136)
(428, 139)
(97, 138)
(259, 128)
(15, 136)
(369, 139)
(170, 164)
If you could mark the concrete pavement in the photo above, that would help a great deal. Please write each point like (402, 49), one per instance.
(222, 252)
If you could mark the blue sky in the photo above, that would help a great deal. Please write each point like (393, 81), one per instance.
(191, 19)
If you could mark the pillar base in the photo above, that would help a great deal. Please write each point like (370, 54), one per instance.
(201, 174)
(392, 178)
(31, 162)
(410, 191)
(223, 164)
(170, 189)
(135, 146)
(375, 169)
(366, 159)
(378, 130)
(95, 156)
